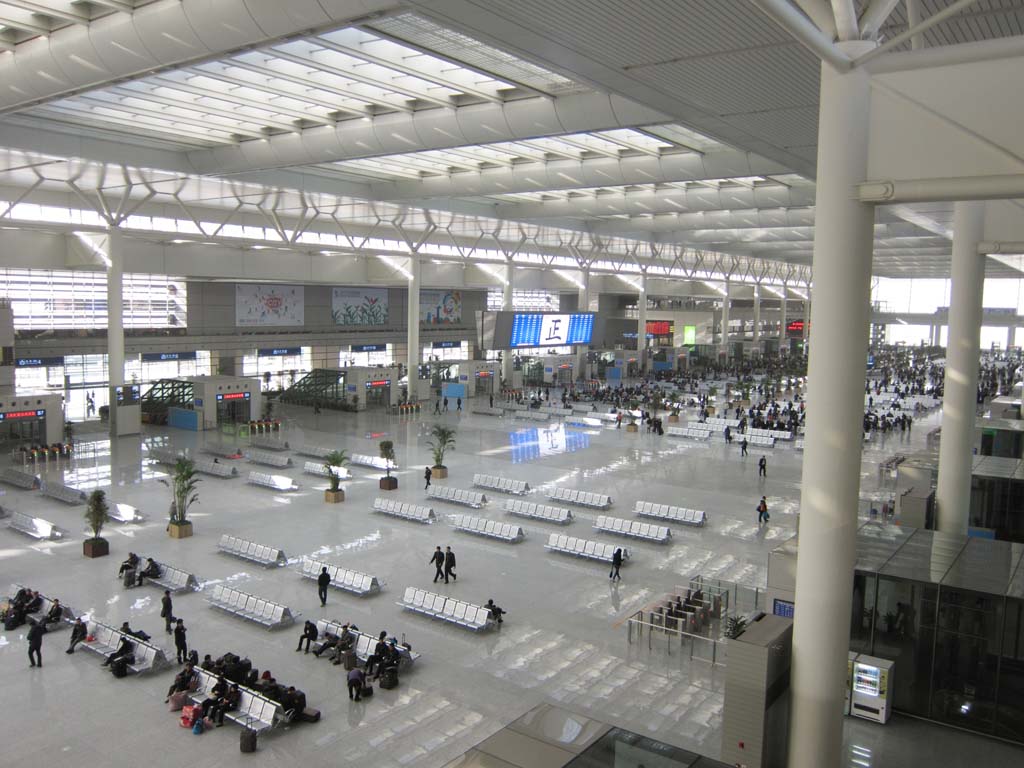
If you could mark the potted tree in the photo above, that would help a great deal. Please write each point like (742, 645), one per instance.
(632, 425)
(96, 515)
(387, 452)
(182, 483)
(673, 417)
(712, 393)
(333, 462)
(442, 442)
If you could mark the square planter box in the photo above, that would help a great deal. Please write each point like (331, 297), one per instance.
(334, 497)
(673, 418)
(95, 547)
(388, 483)
(182, 531)
(440, 473)
(632, 428)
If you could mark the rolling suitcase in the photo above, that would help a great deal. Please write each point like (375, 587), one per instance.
(129, 578)
(389, 678)
(310, 715)
(247, 740)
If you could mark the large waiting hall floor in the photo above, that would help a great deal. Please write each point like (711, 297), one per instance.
(564, 640)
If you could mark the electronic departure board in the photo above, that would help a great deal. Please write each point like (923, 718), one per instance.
(537, 329)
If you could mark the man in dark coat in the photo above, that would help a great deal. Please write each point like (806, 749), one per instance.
(449, 565)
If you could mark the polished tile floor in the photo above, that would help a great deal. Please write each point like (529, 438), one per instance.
(563, 642)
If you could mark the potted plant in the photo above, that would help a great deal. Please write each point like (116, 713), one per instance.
(182, 483)
(387, 452)
(333, 462)
(96, 515)
(632, 425)
(442, 442)
(673, 417)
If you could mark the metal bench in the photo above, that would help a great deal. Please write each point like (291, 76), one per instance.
(668, 512)
(463, 614)
(251, 608)
(481, 526)
(36, 527)
(314, 451)
(555, 410)
(268, 458)
(457, 496)
(363, 645)
(799, 445)
(254, 711)
(274, 482)
(67, 616)
(762, 442)
(215, 468)
(559, 515)
(373, 462)
(691, 433)
(125, 513)
(485, 410)
(594, 550)
(148, 657)
(20, 479)
(633, 528)
(250, 550)
(582, 498)
(357, 583)
(233, 452)
(518, 487)
(62, 492)
(270, 445)
(166, 456)
(401, 509)
(533, 415)
(174, 579)
(319, 469)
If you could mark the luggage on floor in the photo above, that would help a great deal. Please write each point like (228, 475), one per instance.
(389, 678)
(119, 667)
(310, 715)
(177, 700)
(191, 712)
(129, 578)
(348, 658)
(367, 691)
(247, 740)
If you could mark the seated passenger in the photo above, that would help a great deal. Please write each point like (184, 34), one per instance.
(219, 690)
(130, 563)
(207, 664)
(227, 703)
(151, 571)
(124, 649)
(79, 632)
(56, 613)
(183, 681)
(34, 603)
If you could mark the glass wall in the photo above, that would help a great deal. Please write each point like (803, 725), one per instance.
(358, 356)
(460, 351)
(278, 372)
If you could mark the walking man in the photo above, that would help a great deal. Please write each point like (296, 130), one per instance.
(762, 467)
(492, 401)
(743, 447)
(427, 474)
(437, 559)
(446, 405)
(180, 644)
(762, 511)
(322, 582)
(449, 565)
(437, 406)
(458, 404)
(35, 644)
(165, 610)
(616, 564)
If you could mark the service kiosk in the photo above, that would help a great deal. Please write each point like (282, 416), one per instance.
(481, 377)
(125, 409)
(27, 420)
(219, 400)
(374, 387)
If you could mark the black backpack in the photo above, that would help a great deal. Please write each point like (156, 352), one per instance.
(119, 667)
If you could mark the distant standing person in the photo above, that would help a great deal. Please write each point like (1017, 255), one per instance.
(166, 608)
(35, 644)
(616, 564)
(446, 405)
(743, 447)
(438, 561)
(322, 582)
(762, 467)
(458, 404)
(449, 565)
(492, 401)
(427, 474)
(437, 406)
(180, 643)
(762, 511)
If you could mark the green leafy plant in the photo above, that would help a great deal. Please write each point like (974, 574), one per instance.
(442, 442)
(331, 460)
(97, 512)
(387, 452)
(183, 482)
(734, 626)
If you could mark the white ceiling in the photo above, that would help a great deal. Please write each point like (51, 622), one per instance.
(706, 139)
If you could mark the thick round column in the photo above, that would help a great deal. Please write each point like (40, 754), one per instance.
(641, 325)
(757, 315)
(725, 321)
(959, 399)
(783, 319)
(807, 319)
(115, 307)
(506, 304)
(414, 354)
(843, 235)
(583, 305)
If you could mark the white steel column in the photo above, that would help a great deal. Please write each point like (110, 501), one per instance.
(960, 397)
(807, 319)
(783, 320)
(641, 325)
(1011, 333)
(506, 304)
(414, 354)
(583, 305)
(843, 236)
(757, 314)
(725, 321)
(115, 320)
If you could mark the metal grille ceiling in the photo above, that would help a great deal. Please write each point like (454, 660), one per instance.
(22, 20)
(318, 80)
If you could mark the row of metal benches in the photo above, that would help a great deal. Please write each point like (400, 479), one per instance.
(67, 615)
(106, 640)
(364, 643)
(485, 410)
(691, 433)
(669, 512)
(274, 482)
(36, 527)
(594, 550)
(64, 493)
(250, 550)
(484, 527)
(538, 511)
(457, 496)
(254, 711)
(320, 469)
(174, 579)
(502, 484)
(582, 498)
(268, 458)
(632, 528)
(341, 578)
(19, 479)
(466, 615)
(373, 462)
(252, 608)
(400, 509)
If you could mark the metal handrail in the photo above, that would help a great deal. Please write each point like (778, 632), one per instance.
(637, 621)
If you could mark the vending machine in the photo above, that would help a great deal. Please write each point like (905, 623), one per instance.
(849, 681)
(872, 688)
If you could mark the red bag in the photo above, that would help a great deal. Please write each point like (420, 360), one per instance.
(185, 722)
(90, 639)
(191, 713)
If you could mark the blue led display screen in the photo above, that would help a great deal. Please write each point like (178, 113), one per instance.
(550, 330)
